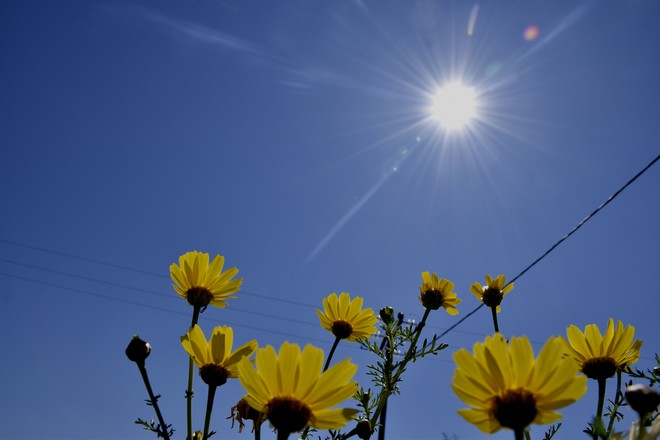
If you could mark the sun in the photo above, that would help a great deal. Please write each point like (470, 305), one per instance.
(454, 105)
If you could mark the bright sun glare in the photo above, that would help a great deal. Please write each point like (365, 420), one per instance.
(454, 105)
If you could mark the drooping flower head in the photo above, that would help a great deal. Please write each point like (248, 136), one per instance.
(242, 411)
(345, 318)
(507, 388)
(215, 358)
(293, 392)
(600, 356)
(492, 292)
(201, 283)
(436, 293)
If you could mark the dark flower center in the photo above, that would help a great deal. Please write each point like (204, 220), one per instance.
(599, 368)
(342, 329)
(288, 414)
(432, 299)
(492, 297)
(214, 374)
(199, 296)
(516, 409)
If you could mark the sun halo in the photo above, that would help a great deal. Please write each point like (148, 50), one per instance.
(454, 106)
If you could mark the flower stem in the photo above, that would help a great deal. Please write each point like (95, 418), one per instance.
(494, 311)
(153, 400)
(332, 351)
(519, 434)
(257, 432)
(618, 400)
(400, 368)
(325, 367)
(209, 408)
(189, 391)
(599, 412)
(282, 435)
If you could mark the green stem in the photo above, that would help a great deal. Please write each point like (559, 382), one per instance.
(325, 367)
(189, 391)
(401, 367)
(209, 408)
(153, 400)
(494, 311)
(257, 432)
(618, 400)
(332, 351)
(601, 400)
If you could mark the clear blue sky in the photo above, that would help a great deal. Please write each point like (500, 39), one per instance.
(294, 138)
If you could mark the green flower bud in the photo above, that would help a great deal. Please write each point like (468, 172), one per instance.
(387, 314)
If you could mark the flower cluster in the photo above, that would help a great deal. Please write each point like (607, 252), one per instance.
(294, 389)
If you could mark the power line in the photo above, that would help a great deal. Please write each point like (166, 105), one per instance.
(118, 266)
(77, 257)
(444, 333)
(560, 241)
(151, 306)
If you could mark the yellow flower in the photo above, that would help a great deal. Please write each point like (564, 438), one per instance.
(600, 356)
(492, 293)
(215, 359)
(507, 387)
(202, 283)
(436, 293)
(293, 392)
(345, 318)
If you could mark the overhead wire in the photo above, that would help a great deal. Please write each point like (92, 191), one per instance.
(558, 242)
(128, 268)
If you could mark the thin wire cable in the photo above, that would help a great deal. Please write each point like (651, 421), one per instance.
(560, 241)
(151, 306)
(150, 292)
(447, 331)
(77, 257)
(118, 266)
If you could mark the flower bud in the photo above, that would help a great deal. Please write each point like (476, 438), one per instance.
(138, 350)
(642, 399)
(387, 314)
(363, 429)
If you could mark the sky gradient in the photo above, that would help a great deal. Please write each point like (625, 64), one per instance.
(295, 139)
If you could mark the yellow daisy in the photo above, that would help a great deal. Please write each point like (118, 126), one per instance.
(599, 356)
(492, 293)
(215, 358)
(201, 283)
(507, 388)
(293, 392)
(436, 293)
(345, 318)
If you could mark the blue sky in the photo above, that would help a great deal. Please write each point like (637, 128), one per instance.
(295, 139)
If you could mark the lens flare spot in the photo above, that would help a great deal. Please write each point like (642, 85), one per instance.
(531, 33)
